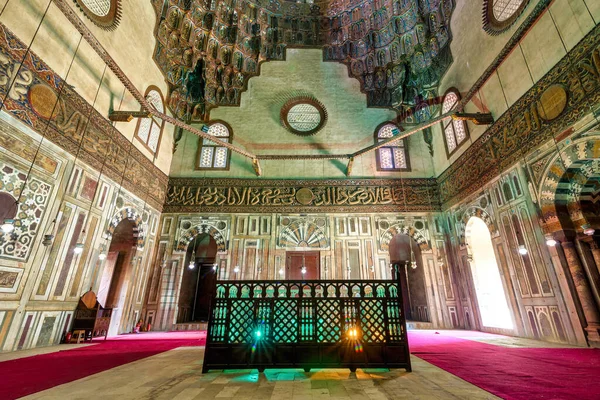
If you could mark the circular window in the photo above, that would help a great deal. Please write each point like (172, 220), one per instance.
(303, 116)
(499, 15)
(104, 13)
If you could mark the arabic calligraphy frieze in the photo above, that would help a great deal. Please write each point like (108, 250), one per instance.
(243, 195)
(32, 95)
(563, 96)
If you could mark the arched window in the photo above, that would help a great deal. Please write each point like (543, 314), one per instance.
(210, 155)
(455, 132)
(395, 156)
(499, 15)
(149, 130)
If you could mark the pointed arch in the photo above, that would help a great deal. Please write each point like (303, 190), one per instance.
(401, 229)
(475, 211)
(190, 234)
(133, 215)
(564, 180)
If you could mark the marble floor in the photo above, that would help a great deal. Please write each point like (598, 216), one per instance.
(177, 375)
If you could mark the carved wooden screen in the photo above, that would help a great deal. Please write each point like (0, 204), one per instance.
(306, 324)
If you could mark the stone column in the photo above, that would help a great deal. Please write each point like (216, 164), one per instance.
(584, 293)
(596, 254)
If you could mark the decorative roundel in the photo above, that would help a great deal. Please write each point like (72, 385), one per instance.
(499, 15)
(104, 13)
(303, 116)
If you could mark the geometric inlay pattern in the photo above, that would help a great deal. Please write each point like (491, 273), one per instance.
(32, 204)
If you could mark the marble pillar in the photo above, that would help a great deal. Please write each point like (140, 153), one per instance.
(590, 311)
(596, 254)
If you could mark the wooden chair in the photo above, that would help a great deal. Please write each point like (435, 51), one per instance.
(91, 317)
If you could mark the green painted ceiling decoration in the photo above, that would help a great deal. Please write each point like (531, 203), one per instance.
(209, 49)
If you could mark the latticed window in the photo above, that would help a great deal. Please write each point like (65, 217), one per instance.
(210, 154)
(504, 9)
(455, 131)
(98, 7)
(150, 129)
(395, 156)
(499, 15)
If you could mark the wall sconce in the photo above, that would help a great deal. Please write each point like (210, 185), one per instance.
(587, 229)
(550, 241)
(236, 269)
(48, 240)
(78, 248)
(522, 250)
(8, 226)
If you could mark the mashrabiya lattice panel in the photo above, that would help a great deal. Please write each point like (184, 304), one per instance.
(311, 311)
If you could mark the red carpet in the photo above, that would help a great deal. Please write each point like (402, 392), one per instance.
(512, 373)
(25, 376)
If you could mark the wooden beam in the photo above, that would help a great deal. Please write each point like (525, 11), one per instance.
(127, 116)
(476, 118)
(402, 135)
(65, 7)
(256, 166)
(350, 165)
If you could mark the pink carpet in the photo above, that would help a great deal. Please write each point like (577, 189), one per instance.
(512, 373)
(28, 375)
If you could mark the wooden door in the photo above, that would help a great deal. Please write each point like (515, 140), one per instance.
(204, 289)
(295, 260)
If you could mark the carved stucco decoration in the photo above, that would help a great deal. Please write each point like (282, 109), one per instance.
(243, 195)
(397, 49)
(309, 232)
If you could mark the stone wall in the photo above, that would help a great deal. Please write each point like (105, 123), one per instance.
(41, 285)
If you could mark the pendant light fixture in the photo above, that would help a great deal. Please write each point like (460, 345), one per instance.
(192, 263)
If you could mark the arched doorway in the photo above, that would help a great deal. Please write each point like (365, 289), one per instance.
(406, 254)
(116, 276)
(198, 279)
(493, 306)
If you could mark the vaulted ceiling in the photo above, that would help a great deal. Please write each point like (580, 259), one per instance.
(209, 49)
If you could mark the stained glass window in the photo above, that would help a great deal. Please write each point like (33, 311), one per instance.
(455, 131)
(210, 154)
(395, 156)
(150, 129)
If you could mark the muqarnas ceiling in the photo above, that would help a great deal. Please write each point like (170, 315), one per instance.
(208, 50)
